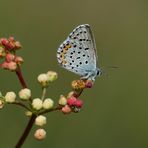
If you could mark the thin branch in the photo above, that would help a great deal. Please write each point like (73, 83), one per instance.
(32, 119)
(20, 77)
(50, 110)
(81, 91)
(43, 93)
(26, 131)
(21, 104)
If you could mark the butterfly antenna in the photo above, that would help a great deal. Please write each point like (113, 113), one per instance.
(104, 70)
(112, 67)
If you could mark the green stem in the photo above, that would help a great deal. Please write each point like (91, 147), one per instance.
(43, 93)
(50, 110)
(21, 104)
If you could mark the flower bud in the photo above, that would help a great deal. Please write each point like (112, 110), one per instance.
(9, 57)
(2, 52)
(12, 66)
(4, 41)
(1, 104)
(89, 84)
(4, 65)
(10, 97)
(40, 120)
(71, 101)
(48, 103)
(52, 76)
(66, 109)
(37, 104)
(17, 45)
(78, 103)
(62, 100)
(70, 94)
(9, 65)
(25, 94)
(11, 39)
(40, 134)
(28, 113)
(78, 84)
(43, 79)
(19, 60)
(10, 45)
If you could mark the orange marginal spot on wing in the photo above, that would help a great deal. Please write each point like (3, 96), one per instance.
(62, 58)
(62, 55)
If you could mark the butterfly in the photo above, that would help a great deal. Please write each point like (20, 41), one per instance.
(78, 53)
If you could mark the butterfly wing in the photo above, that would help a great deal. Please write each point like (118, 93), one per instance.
(78, 52)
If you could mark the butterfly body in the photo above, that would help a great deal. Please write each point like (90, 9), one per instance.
(78, 53)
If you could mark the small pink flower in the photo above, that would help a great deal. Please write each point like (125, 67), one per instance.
(88, 84)
(40, 134)
(10, 45)
(71, 101)
(11, 39)
(4, 65)
(78, 103)
(19, 60)
(4, 41)
(12, 66)
(17, 45)
(66, 109)
(9, 57)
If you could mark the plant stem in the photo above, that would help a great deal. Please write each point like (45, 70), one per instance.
(32, 119)
(20, 77)
(26, 131)
(50, 110)
(80, 92)
(43, 93)
(20, 104)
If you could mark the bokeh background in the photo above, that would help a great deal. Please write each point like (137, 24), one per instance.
(115, 109)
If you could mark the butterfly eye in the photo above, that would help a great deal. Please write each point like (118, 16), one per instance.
(99, 72)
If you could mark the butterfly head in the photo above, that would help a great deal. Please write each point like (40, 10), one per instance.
(99, 72)
(91, 75)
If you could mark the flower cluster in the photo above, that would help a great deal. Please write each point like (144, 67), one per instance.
(8, 48)
(72, 103)
(37, 106)
(45, 78)
(43, 105)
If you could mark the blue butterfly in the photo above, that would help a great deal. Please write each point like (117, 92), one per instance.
(78, 53)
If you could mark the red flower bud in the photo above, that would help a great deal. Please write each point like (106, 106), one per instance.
(4, 65)
(11, 39)
(10, 45)
(66, 109)
(12, 66)
(71, 101)
(4, 41)
(9, 57)
(78, 103)
(88, 84)
(19, 60)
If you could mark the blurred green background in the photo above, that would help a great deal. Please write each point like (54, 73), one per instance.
(115, 109)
